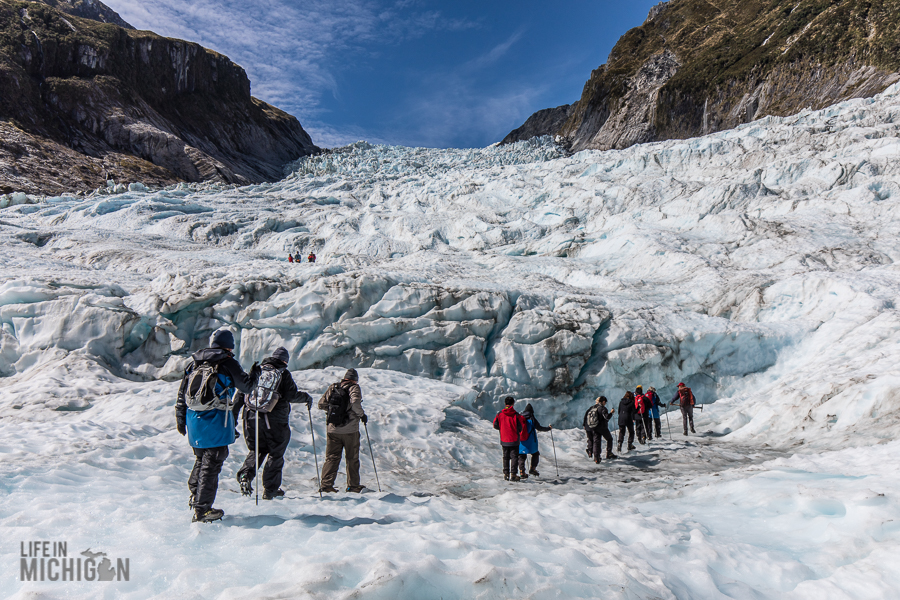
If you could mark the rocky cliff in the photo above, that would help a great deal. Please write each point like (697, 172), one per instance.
(699, 66)
(86, 99)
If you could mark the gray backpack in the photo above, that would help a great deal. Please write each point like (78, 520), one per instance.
(265, 395)
(201, 393)
(593, 417)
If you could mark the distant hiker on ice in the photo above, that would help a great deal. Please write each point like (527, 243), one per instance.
(653, 399)
(529, 443)
(271, 399)
(626, 420)
(343, 403)
(641, 416)
(202, 411)
(290, 258)
(686, 400)
(312, 257)
(512, 430)
(297, 258)
(596, 426)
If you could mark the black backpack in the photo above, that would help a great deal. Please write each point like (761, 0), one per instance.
(202, 388)
(337, 399)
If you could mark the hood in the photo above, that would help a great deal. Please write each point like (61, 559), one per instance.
(278, 364)
(509, 411)
(211, 355)
(528, 413)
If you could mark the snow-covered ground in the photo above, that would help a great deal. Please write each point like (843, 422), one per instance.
(756, 264)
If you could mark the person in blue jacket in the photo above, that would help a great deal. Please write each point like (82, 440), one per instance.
(653, 397)
(530, 444)
(202, 412)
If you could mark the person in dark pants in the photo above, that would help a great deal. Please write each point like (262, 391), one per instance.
(511, 426)
(686, 400)
(208, 423)
(596, 425)
(344, 437)
(641, 416)
(529, 445)
(626, 420)
(274, 428)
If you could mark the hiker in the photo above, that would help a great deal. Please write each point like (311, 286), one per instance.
(512, 430)
(312, 257)
(529, 445)
(297, 258)
(640, 415)
(202, 412)
(626, 420)
(653, 398)
(343, 403)
(271, 399)
(686, 399)
(290, 258)
(596, 425)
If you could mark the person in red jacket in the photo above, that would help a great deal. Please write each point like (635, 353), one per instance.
(640, 415)
(512, 430)
(685, 398)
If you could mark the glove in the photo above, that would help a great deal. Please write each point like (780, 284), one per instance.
(307, 399)
(255, 370)
(181, 429)
(364, 419)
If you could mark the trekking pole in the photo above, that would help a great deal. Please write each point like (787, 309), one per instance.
(669, 427)
(256, 453)
(313, 433)
(373, 456)
(554, 453)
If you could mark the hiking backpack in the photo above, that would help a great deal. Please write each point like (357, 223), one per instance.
(338, 405)
(593, 417)
(204, 389)
(685, 396)
(265, 395)
(640, 404)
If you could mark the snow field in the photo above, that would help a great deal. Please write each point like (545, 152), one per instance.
(757, 265)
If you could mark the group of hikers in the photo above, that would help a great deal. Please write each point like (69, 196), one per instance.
(215, 390)
(204, 411)
(295, 258)
(638, 412)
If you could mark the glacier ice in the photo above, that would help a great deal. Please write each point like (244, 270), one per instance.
(755, 264)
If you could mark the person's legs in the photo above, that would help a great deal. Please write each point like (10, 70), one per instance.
(535, 459)
(211, 461)
(622, 430)
(684, 419)
(333, 448)
(690, 416)
(605, 434)
(277, 440)
(631, 436)
(658, 422)
(351, 450)
(590, 442)
(507, 458)
(521, 463)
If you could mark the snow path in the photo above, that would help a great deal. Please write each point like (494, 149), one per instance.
(756, 264)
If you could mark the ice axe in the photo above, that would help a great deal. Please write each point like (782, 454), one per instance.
(316, 454)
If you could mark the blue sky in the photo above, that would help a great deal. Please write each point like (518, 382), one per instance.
(411, 72)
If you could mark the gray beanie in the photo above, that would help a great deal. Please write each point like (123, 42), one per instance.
(282, 355)
(351, 375)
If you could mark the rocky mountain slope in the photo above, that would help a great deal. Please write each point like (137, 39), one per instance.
(83, 100)
(700, 66)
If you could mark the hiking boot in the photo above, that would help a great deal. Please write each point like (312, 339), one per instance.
(272, 494)
(684, 432)
(692, 430)
(207, 516)
(534, 472)
(610, 455)
(523, 475)
(328, 489)
(632, 447)
(589, 453)
(506, 476)
(244, 481)
(356, 489)
(619, 448)
(514, 477)
(597, 460)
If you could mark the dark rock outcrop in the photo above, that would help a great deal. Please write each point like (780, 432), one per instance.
(695, 67)
(128, 105)
(543, 122)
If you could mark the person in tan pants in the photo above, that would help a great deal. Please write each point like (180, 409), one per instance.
(343, 403)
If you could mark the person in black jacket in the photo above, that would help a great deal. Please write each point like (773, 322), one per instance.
(274, 430)
(211, 430)
(597, 434)
(626, 420)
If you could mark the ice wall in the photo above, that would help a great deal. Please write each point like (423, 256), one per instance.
(755, 264)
